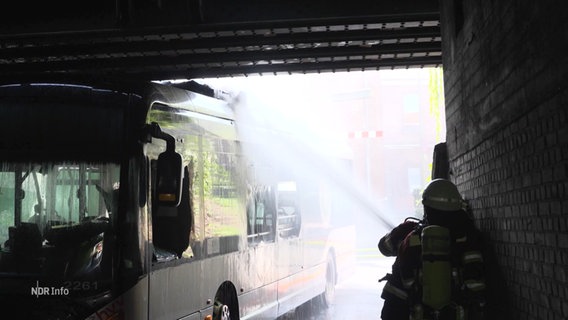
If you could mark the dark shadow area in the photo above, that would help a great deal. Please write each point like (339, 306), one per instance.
(495, 281)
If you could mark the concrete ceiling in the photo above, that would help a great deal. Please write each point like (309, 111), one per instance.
(172, 39)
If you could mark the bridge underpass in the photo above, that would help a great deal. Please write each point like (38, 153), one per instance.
(158, 40)
(506, 76)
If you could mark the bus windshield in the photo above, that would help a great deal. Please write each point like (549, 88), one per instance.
(53, 220)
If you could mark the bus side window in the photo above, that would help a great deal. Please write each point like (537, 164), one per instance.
(289, 215)
(261, 215)
(171, 226)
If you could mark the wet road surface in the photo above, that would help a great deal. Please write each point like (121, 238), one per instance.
(358, 296)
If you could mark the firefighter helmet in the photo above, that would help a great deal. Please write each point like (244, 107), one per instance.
(442, 194)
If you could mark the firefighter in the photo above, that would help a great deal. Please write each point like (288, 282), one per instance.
(438, 270)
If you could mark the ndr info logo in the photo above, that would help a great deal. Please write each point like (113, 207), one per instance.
(48, 291)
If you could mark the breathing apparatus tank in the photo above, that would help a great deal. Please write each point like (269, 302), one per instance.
(436, 267)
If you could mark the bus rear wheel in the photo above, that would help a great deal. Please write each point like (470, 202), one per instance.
(328, 296)
(226, 306)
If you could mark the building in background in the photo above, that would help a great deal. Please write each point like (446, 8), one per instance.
(392, 120)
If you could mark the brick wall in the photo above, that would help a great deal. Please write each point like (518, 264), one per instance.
(506, 92)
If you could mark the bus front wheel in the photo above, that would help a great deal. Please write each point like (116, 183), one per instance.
(226, 305)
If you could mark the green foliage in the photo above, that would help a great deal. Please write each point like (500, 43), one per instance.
(436, 101)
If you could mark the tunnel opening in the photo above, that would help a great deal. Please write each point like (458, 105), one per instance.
(385, 123)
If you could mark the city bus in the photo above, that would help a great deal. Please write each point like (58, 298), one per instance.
(147, 201)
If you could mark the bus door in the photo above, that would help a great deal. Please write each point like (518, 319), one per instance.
(290, 248)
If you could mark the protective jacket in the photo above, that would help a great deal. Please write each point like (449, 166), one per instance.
(446, 284)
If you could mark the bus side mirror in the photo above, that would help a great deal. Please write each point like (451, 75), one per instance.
(169, 171)
(169, 175)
